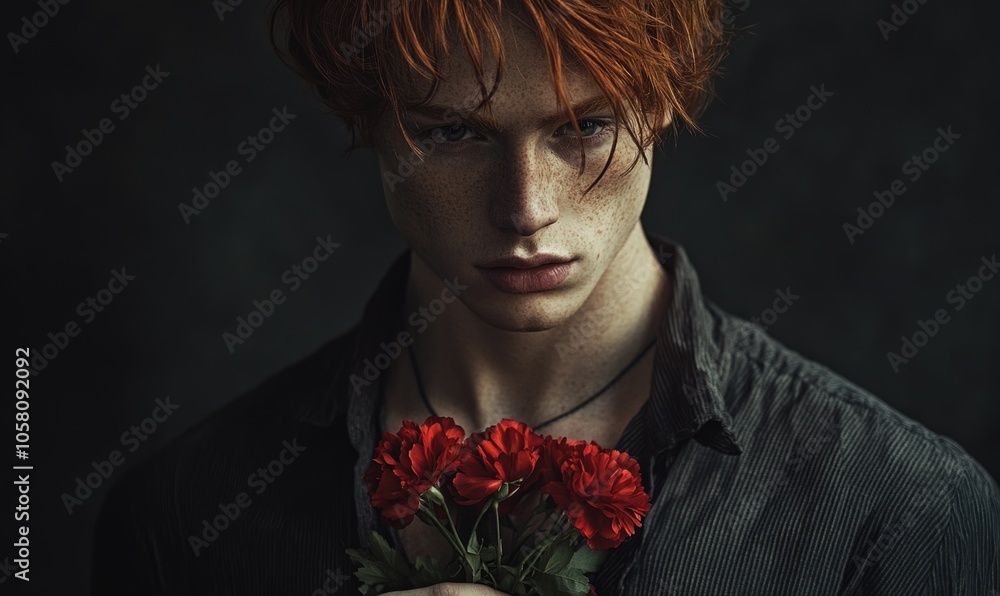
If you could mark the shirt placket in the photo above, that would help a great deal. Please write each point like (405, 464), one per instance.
(618, 570)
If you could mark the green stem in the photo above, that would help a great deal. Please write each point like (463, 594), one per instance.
(537, 551)
(475, 526)
(452, 539)
(451, 522)
(496, 515)
(492, 579)
(522, 573)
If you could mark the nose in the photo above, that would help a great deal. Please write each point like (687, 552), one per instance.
(525, 196)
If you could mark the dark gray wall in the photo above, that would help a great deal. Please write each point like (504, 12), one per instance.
(162, 335)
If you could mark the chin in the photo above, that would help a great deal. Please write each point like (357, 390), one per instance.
(539, 311)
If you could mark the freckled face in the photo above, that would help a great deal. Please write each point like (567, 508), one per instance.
(485, 194)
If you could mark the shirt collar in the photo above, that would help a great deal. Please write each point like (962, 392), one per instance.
(691, 368)
(689, 375)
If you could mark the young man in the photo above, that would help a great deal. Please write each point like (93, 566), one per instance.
(516, 149)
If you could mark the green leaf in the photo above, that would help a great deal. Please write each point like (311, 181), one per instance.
(359, 556)
(507, 580)
(475, 546)
(556, 557)
(473, 557)
(380, 568)
(588, 560)
(429, 571)
(455, 571)
(560, 569)
(488, 555)
(391, 556)
(568, 581)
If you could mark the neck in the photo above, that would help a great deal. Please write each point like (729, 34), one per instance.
(478, 373)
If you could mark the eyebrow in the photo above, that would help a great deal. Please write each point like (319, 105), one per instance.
(484, 122)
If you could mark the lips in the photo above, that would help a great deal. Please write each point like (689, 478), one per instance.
(516, 275)
(529, 263)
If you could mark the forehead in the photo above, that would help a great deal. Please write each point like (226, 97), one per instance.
(527, 84)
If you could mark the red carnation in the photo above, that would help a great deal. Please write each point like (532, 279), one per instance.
(505, 453)
(408, 463)
(602, 493)
(555, 452)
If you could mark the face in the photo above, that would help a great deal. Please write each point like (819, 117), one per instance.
(499, 204)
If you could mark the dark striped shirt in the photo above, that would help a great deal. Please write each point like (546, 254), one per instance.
(768, 474)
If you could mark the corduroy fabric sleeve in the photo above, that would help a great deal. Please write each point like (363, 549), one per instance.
(967, 561)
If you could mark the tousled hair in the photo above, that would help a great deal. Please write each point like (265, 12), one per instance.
(653, 57)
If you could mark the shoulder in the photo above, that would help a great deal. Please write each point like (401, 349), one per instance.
(217, 454)
(275, 406)
(782, 398)
(166, 512)
(843, 452)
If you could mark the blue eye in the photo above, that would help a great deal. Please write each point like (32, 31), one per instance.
(589, 128)
(450, 134)
(454, 136)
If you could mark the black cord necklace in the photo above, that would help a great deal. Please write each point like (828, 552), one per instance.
(579, 406)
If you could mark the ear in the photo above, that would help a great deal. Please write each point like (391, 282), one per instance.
(667, 118)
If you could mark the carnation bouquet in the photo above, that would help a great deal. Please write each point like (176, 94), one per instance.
(538, 512)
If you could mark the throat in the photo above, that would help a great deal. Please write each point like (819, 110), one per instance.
(593, 370)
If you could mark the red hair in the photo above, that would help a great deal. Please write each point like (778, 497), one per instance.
(653, 57)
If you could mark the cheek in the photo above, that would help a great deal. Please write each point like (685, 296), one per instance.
(428, 206)
(618, 199)
(443, 200)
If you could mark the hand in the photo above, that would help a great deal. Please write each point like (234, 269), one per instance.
(450, 589)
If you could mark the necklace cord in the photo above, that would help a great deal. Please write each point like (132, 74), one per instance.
(573, 410)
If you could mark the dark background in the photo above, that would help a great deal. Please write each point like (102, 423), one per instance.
(784, 228)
